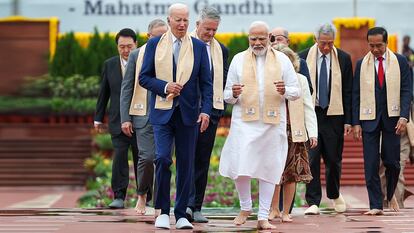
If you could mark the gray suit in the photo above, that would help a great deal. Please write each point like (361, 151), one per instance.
(142, 128)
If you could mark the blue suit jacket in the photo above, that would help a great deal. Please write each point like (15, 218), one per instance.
(381, 99)
(199, 85)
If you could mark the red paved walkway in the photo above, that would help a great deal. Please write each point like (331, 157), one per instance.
(60, 217)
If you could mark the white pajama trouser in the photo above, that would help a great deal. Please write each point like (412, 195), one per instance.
(266, 190)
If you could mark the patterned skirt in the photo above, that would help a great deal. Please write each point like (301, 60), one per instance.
(297, 163)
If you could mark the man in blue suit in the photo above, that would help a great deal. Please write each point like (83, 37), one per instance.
(380, 108)
(176, 70)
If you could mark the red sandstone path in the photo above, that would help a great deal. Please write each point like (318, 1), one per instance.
(54, 210)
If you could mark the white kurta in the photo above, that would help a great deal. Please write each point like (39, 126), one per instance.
(253, 148)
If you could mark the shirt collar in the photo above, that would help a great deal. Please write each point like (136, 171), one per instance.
(123, 61)
(175, 38)
(328, 56)
(383, 57)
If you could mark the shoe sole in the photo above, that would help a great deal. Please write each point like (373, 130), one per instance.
(184, 227)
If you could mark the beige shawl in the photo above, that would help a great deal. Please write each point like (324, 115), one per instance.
(250, 100)
(367, 86)
(297, 118)
(164, 64)
(217, 60)
(139, 98)
(335, 100)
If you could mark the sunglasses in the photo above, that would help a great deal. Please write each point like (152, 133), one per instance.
(273, 37)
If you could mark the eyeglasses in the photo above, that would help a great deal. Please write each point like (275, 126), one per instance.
(273, 37)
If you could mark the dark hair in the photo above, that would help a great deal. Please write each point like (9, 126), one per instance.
(378, 31)
(126, 32)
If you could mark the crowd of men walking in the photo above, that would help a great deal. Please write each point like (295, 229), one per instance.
(289, 111)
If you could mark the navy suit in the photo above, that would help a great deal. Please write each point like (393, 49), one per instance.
(178, 124)
(204, 147)
(385, 126)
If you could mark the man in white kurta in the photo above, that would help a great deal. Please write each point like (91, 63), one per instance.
(255, 149)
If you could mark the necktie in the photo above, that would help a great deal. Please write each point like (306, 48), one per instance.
(323, 85)
(380, 71)
(177, 46)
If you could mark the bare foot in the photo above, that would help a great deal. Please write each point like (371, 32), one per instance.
(286, 218)
(374, 212)
(140, 207)
(393, 204)
(274, 213)
(242, 217)
(264, 225)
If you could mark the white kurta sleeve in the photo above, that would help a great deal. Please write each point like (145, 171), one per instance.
(232, 78)
(311, 122)
(292, 87)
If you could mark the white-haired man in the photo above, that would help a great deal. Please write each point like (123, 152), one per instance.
(331, 76)
(259, 81)
(176, 71)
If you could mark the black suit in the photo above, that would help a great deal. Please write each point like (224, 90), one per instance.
(111, 90)
(385, 126)
(330, 136)
(204, 147)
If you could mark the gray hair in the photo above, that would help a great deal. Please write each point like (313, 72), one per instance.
(326, 29)
(176, 6)
(293, 57)
(285, 32)
(259, 23)
(209, 12)
(156, 23)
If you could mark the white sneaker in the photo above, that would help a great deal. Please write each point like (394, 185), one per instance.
(163, 221)
(312, 210)
(339, 204)
(183, 223)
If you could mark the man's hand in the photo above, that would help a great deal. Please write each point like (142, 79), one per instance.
(357, 132)
(313, 142)
(174, 88)
(237, 90)
(99, 127)
(280, 87)
(127, 128)
(401, 126)
(205, 120)
(347, 129)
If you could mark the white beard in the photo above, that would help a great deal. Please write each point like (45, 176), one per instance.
(259, 53)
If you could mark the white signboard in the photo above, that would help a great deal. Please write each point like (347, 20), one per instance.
(295, 15)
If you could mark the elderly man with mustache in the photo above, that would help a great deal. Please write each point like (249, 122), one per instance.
(259, 81)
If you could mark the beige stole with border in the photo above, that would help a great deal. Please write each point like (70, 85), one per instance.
(164, 64)
(250, 98)
(217, 60)
(139, 98)
(297, 118)
(335, 100)
(367, 109)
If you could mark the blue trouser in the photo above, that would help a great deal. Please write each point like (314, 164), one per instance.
(184, 138)
(390, 154)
